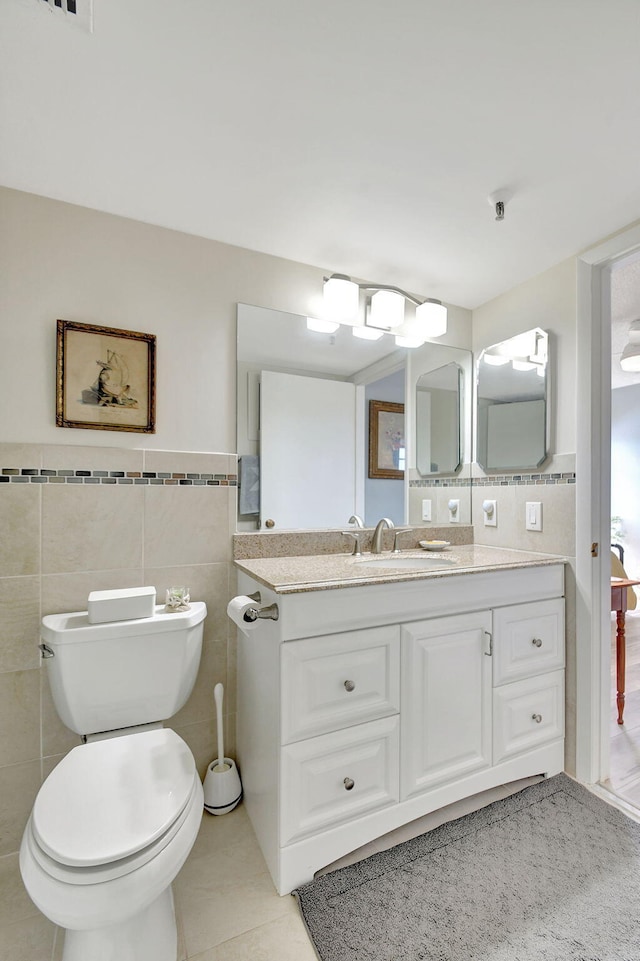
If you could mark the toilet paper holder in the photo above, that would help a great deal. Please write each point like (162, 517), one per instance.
(269, 613)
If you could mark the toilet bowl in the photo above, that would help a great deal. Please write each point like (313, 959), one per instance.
(110, 829)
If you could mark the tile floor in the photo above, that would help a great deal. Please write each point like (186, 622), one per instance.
(226, 904)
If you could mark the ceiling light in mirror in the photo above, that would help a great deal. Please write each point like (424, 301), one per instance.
(630, 358)
(409, 340)
(322, 326)
(367, 333)
(495, 360)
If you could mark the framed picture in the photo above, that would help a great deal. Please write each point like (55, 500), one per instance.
(105, 378)
(386, 439)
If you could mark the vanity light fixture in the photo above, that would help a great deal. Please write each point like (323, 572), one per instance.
(340, 295)
(384, 311)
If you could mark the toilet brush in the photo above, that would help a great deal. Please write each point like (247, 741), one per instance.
(222, 787)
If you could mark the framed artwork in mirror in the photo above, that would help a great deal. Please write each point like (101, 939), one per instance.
(386, 440)
(105, 378)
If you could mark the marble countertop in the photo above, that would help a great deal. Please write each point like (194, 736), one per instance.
(295, 575)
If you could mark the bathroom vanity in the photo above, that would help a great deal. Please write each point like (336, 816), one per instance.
(383, 693)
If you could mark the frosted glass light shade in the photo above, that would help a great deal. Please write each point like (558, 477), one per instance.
(322, 326)
(410, 340)
(630, 358)
(495, 360)
(340, 295)
(432, 318)
(367, 333)
(386, 309)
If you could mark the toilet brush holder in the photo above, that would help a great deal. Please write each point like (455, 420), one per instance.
(222, 787)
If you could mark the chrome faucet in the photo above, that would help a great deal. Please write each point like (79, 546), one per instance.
(376, 545)
(356, 519)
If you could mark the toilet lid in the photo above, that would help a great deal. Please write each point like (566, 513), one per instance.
(108, 799)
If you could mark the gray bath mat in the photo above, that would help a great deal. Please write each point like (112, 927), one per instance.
(549, 874)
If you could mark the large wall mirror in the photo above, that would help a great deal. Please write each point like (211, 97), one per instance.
(303, 402)
(512, 410)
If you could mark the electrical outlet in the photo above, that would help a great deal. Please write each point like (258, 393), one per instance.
(490, 510)
(454, 511)
(533, 516)
(426, 510)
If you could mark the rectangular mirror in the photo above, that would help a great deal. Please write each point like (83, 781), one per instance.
(303, 402)
(512, 406)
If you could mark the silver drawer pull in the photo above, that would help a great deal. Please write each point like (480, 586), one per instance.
(537, 642)
(349, 686)
(537, 718)
(348, 784)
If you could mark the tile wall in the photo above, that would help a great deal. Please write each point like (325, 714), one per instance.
(77, 519)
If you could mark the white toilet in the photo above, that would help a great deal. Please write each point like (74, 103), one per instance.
(114, 822)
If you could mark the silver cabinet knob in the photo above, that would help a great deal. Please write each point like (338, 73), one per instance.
(349, 784)
(349, 686)
(537, 642)
(537, 718)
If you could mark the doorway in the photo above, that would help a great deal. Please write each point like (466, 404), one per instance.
(624, 723)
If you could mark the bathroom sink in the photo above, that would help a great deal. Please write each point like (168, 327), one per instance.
(426, 563)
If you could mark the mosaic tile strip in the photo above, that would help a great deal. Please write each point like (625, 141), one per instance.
(32, 475)
(515, 480)
(499, 480)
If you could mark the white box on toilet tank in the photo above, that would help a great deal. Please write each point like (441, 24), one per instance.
(121, 605)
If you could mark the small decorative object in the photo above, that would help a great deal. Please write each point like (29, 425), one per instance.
(386, 439)
(105, 378)
(177, 600)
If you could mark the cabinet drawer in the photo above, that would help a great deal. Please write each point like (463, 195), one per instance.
(528, 640)
(527, 713)
(330, 779)
(329, 683)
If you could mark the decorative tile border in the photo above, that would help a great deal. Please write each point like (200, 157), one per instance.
(32, 475)
(498, 480)
(512, 480)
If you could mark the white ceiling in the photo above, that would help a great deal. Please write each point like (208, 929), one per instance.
(361, 136)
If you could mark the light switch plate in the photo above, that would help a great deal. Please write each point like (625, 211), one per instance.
(533, 516)
(426, 509)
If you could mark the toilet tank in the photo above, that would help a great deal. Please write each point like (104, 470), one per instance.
(119, 674)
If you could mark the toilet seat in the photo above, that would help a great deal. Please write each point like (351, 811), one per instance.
(111, 805)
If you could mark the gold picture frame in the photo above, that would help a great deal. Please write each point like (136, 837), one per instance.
(105, 378)
(386, 439)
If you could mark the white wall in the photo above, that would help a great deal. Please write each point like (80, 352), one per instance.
(69, 262)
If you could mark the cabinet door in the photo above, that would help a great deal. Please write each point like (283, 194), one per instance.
(527, 713)
(446, 700)
(333, 778)
(529, 640)
(333, 682)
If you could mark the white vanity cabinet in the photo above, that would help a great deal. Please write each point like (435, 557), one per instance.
(363, 708)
